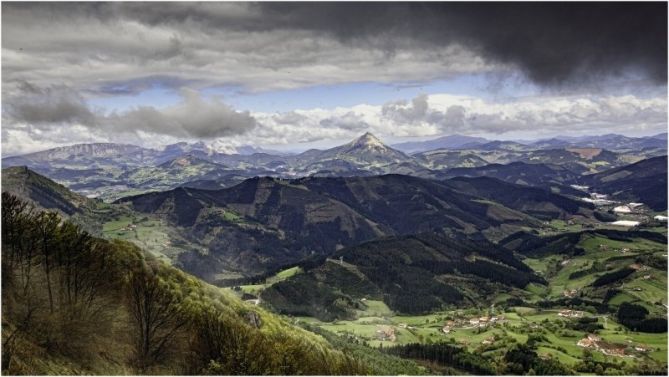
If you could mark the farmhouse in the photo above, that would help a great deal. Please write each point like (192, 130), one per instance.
(570, 293)
(570, 313)
(386, 333)
(589, 341)
(595, 342)
(613, 351)
(586, 343)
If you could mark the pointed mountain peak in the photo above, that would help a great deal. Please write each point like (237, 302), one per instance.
(368, 140)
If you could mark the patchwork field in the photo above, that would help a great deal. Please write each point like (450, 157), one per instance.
(555, 339)
(553, 334)
(148, 232)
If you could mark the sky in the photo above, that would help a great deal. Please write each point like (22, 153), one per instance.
(291, 76)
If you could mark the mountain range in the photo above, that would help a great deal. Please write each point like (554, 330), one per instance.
(358, 233)
(111, 171)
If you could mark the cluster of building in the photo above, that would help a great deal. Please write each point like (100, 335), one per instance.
(129, 227)
(597, 199)
(628, 208)
(483, 321)
(386, 333)
(595, 342)
(570, 293)
(568, 313)
(636, 210)
(606, 248)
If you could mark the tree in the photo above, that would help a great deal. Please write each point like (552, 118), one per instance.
(47, 225)
(156, 316)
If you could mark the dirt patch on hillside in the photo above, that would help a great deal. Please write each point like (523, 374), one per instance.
(587, 153)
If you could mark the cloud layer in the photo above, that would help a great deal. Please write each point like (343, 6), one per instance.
(195, 118)
(56, 57)
(112, 47)
(60, 107)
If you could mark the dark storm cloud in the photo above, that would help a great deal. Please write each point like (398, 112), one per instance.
(552, 43)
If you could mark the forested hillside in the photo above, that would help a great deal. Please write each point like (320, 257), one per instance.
(76, 304)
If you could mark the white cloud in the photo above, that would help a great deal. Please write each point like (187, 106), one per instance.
(193, 117)
(197, 118)
(449, 114)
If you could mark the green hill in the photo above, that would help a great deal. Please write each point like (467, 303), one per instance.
(413, 275)
(644, 181)
(76, 304)
(265, 223)
(42, 191)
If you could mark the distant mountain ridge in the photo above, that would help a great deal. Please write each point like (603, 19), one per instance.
(110, 171)
(444, 142)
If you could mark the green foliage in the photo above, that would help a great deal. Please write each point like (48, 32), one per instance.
(444, 354)
(522, 359)
(634, 317)
(612, 277)
(68, 297)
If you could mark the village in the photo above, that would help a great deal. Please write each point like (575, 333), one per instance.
(634, 213)
(389, 333)
(595, 342)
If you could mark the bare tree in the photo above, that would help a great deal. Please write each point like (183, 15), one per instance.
(156, 316)
(47, 225)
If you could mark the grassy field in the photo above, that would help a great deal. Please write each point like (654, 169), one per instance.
(148, 232)
(282, 275)
(646, 286)
(609, 255)
(519, 323)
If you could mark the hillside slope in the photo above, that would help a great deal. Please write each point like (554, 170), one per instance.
(412, 274)
(91, 306)
(42, 191)
(644, 181)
